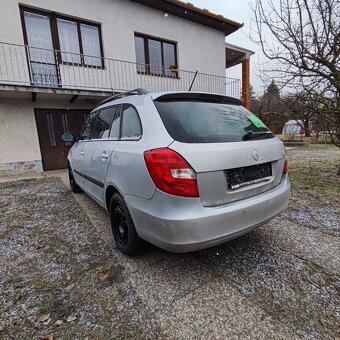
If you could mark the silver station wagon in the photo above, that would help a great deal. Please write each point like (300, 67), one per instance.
(181, 170)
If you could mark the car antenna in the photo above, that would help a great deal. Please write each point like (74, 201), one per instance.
(192, 83)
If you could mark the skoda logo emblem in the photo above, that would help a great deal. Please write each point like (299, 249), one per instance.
(256, 155)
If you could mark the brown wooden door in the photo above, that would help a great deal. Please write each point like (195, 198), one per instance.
(52, 124)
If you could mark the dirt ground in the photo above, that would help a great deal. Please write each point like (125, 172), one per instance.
(62, 277)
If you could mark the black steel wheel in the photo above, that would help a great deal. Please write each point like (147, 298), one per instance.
(123, 228)
(73, 185)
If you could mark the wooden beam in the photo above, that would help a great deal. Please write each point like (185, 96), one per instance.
(246, 83)
(34, 97)
(74, 98)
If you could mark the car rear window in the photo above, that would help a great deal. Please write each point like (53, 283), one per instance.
(197, 121)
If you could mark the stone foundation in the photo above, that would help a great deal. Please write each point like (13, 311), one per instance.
(20, 168)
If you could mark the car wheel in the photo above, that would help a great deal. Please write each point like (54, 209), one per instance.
(123, 229)
(74, 186)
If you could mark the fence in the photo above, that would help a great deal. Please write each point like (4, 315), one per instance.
(31, 66)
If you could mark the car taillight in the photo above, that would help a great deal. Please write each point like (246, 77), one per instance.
(171, 173)
(285, 167)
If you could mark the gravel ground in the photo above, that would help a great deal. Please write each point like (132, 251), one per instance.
(58, 261)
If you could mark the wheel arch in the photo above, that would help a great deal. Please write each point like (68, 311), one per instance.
(109, 192)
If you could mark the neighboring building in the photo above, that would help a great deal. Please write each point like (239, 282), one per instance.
(293, 127)
(274, 121)
(59, 58)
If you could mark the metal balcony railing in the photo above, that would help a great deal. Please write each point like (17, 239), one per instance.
(31, 66)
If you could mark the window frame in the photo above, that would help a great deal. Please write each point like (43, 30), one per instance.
(148, 65)
(55, 35)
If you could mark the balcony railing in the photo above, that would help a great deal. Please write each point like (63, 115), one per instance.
(31, 66)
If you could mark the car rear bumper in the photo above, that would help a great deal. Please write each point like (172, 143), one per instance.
(182, 224)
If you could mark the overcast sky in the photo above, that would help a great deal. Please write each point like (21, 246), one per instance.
(240, 11)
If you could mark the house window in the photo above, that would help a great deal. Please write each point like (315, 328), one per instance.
(155, 56)
(91, 46)
(79, 41)
(38, 36)
(68, 40)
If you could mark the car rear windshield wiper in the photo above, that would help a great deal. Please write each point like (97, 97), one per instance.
(260, 135)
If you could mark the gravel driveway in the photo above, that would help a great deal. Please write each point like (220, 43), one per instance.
(62, 277)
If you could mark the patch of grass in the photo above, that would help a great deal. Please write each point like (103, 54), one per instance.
(315, 177)
(313, 171)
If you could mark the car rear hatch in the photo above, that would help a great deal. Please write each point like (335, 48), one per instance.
(233, 153)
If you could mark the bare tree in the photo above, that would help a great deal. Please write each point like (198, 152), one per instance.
(268, 108)
(304, 52)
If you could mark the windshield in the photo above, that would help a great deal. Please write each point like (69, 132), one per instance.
(194, 121)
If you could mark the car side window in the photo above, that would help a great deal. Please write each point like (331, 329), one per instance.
(103, 123)
(131, 125)
(88, 126)
(115, 128)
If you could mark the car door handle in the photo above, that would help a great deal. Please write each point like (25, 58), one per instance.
(82, 153)
(105, 155)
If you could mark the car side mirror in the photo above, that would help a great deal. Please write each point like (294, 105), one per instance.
(68, 137)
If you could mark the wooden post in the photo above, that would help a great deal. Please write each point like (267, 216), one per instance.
(246, 83)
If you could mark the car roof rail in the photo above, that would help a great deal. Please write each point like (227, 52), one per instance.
(134, 92)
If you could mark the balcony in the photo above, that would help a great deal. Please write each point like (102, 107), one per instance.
(37, 70)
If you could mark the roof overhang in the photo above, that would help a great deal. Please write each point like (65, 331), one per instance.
(190, 12)
(235, 55)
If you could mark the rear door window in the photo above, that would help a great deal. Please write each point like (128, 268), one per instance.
(131, 126)
(204, 121)
(103, 123)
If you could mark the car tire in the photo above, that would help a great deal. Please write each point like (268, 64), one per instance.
(73, 185)
(123, 228)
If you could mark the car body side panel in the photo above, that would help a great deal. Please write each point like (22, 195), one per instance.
(97, 160)
(127, 171)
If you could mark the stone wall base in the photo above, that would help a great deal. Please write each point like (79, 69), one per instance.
(20, 168)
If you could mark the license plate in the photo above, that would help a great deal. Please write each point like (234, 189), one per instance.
(240, 177)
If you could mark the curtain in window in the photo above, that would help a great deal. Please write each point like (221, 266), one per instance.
(140, 54)
(39, 35)
(69, 42)
(91, 45)
(39, 40)
(155, 52)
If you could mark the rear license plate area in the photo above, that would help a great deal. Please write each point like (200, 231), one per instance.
(240, 177)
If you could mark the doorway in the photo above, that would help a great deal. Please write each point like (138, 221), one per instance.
(51, 125)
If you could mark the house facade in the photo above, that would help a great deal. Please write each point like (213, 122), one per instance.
(59, 58)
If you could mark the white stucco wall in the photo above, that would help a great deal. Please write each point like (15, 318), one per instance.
(199, 47)
(19, 135)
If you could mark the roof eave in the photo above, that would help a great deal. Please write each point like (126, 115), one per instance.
(195, 14)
